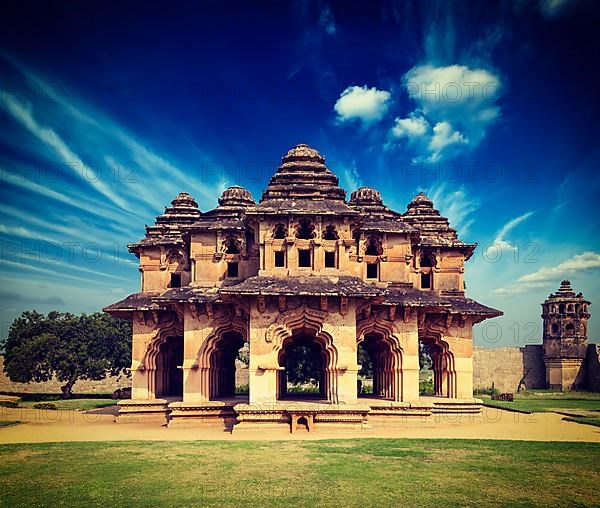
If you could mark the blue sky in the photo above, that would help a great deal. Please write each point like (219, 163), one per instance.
(108, 111)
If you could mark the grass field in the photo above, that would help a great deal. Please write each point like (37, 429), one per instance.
(360, 472)
(584, 419)
(547, 401)
(9, 423)
(74, 404)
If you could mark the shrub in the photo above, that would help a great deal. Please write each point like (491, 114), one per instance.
(242, 389)
(9, 403)
(486, 391)
(303, 388)
(45, 405)
(426, 387)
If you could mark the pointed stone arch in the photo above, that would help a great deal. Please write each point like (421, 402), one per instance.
(309, 322)
(432, 331)
(215, 359)
(156, 363)
(386, 354)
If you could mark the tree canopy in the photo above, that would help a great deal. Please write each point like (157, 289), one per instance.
(67, 346)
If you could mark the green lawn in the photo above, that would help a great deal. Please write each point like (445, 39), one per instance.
(81, 404)
(584, 419)
(340, 473)
(547, 401)
(9, 423)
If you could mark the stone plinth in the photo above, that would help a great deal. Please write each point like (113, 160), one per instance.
(214, 414)
(284, 415)
(143, 411)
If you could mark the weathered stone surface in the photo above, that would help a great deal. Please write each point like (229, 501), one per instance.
(302, 268)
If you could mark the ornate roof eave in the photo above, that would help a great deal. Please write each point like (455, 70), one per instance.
(170, 241)
(466, 248)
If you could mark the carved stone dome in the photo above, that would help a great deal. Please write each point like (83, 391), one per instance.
(365, 196)
(236, 196)
(183, 200)
(420, 201)
(303, 176)
(303, 152)
(183, 210)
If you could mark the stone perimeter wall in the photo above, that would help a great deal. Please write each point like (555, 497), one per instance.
(504, 367)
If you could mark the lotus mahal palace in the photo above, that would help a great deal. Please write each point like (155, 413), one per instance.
(302, 268)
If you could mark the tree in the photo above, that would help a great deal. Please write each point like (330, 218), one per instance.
(67, 346)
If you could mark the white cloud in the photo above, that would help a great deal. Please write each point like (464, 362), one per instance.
(458, 101)
(500, 243)
(579, 262)
(412, 127)
(551, 275)
(443, 136)
(368, 105)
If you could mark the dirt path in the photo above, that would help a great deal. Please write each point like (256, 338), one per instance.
(52, 426)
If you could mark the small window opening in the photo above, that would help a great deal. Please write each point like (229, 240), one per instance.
(232, 270)
(279, 259)
(554, 328)
(232, 246)
(280, 232)
(304, 258)
(329, 259)
(330, 233)
(427, 260)
(305, 230)
(372, 271)
(569, 328)
(426, 281)
(175, 280)
(373, 248)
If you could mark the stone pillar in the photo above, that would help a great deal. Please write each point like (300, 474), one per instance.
(460, 368)
(196, 330)
(141, 387)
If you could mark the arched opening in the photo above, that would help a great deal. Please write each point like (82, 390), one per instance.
(330, 233)
(569, 328)
(426, 372)
(280, 232)
(561, 308)
(554, 328)
(222, 379)
(373, 247)
(380, 374)
(442, 367)
(303, 359)
(302, 423)
(427, 260)
(426, 263)
(168, 372)
(232, 245)
(305, 230)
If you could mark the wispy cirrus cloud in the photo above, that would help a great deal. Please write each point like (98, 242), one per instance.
(83, 181)
(455, 203)
(23, 114)
(500, 242)
(548, 276)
